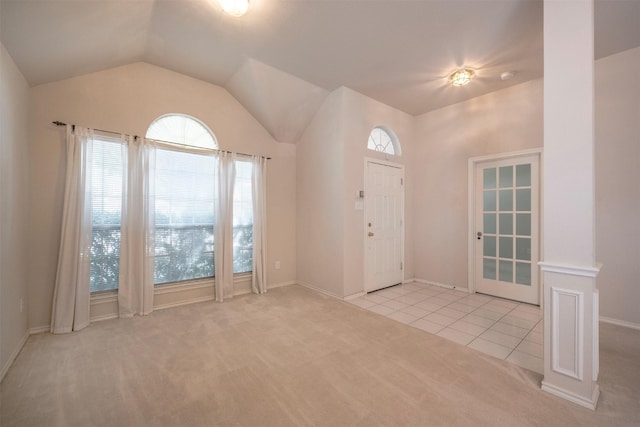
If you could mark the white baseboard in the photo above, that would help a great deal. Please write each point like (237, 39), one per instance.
(272, 286)
(105, 317)
(317, 289)
(196, 287)
(281, 284)
(620, 322)
(111, 298)
(359, 294)
(442, 285)
(183, 302)
(198, 299)
(589, 403)
(431, 282)
(13, 356)
(39, 329)
(354, 296)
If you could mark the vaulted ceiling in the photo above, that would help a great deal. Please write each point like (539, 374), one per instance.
(283, 57)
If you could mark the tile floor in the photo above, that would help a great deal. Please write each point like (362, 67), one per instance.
(501, 328)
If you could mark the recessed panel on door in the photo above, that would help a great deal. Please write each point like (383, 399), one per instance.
(383, 226)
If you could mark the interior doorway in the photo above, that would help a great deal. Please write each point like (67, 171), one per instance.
(505, 226)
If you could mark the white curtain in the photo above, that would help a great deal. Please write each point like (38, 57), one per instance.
(71, 300)
(137, 232)
(70, 311)
(259, 197)
(225, 168)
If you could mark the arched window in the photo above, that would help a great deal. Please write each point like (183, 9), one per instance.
(182, 129)
(384, 141)
(184, 197)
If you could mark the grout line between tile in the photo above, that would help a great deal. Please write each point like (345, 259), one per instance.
(483, 305)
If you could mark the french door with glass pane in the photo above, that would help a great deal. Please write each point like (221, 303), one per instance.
(507, 228)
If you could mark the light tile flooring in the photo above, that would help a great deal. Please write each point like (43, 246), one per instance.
(501, 328)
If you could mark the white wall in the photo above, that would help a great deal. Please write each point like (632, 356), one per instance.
(502, 121)
(511, 120)
(617, 149)
(330, 169)
(320, 181)
(127, 99)
(312, 185)
(14, 192)
(360, 115)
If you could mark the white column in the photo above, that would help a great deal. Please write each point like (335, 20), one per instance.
(568, 268)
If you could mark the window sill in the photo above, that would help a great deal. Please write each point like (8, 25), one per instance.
(104, 295)
(186, 284)
(196, 283)
(104, 304)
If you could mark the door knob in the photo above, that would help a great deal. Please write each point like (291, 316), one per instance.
(479, 234)
(370, 234)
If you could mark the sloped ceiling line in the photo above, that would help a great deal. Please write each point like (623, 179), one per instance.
(282, 103)
(395, 52)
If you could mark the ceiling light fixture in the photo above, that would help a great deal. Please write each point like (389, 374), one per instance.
(507, 75)
(461, 77)
(235, 7)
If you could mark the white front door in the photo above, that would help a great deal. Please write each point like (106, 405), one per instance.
(507, 228)
(384, 217)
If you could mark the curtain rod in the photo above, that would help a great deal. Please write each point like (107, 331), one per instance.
(73, 128)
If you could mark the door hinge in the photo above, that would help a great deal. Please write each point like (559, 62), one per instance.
(401, 266)
(401, 181)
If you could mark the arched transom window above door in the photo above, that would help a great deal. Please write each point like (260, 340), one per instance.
(383, 140)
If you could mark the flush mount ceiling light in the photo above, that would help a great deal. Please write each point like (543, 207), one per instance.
(235, 7)
(461, 77)
(507, 75)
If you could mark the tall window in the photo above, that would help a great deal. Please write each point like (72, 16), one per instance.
(184, 216)
(242, 219)
(185, 181)
(184, 185)
(184, 192)
(384, 141)
(106, 205)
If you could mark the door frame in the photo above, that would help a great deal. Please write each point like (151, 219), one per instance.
(367, 188)
(471, 205)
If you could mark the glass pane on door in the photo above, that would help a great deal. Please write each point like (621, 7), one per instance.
(490, 223)
(489, 178)
(523, 273)
(489, 268)
(523, 175)
(523, 224)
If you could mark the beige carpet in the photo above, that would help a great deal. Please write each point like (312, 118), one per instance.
(292, 357)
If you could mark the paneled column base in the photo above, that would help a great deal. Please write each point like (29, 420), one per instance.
(571, 338)
(590, 403)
